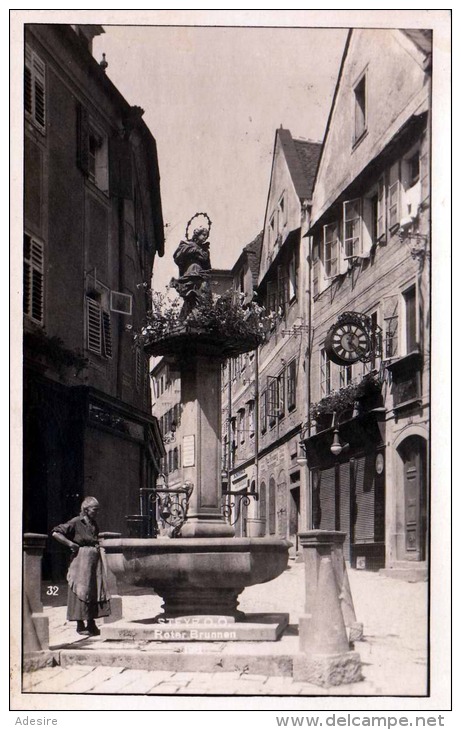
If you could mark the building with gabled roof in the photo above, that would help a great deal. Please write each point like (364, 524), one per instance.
(368, 426)
(266, 400)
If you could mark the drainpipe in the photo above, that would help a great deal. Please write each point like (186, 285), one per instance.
(256, 424)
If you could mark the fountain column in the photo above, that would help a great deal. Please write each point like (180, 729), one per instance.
(201, 446)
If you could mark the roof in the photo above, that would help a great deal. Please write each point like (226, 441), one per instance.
(302, 158)
(251, 253)
(422, 38)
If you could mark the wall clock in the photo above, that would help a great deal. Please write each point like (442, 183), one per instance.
(348, 341)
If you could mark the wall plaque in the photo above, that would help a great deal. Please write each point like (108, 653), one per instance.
(188, 451)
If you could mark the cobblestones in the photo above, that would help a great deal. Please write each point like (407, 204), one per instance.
(393, 653)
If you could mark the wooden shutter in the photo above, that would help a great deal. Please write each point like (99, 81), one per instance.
(83, 139)
(94, 326)
(33, 279)
(34, 88)
(107, 333)
(327, 499)
(365, 500)
(120, 168)
(28, 82)
(394, 195)
(39, 91)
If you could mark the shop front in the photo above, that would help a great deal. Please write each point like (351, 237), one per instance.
(348, 489)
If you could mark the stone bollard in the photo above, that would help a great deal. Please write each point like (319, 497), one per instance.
(36, 636)
(325, 657)
(116, 605)
(315, 545)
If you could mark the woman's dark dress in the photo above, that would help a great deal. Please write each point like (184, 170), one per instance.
(88, 597)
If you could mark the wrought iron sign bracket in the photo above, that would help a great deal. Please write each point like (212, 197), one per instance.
(242, 499)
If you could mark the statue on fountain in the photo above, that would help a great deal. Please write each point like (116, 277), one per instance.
(192, 258)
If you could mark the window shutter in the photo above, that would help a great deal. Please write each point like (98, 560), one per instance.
(120, 168)
(345, 506)
(34, 88)
(327, 499)
(28, 103)
(381, 216)
(137, 355)
(33, 296)
(352, 216)
(94, 327)
(394, 195)
(39, 91)
(107, 333)
(365, 501)
(83, 139)
(291, 386)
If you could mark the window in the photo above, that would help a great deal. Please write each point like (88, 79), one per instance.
(92, 151)
(272, 232)
(282, 289)
(291, 385)
(292, 289)
(411, 185)
(315, 268)
(360, 109)
(241, 426)
(325, 374)
(381, 210)
(34, 89)
(330, 249)
(98, 326)
(263, 411)
(281, 394)
(394, 195)
(272, 296)
(251, 417)
(410, 320)
(352, 228)
(225, 453)
(345, 375)
(282, 212)
(33, 295)
(272, 401)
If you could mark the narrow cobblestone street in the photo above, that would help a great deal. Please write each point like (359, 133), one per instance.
(393, 652)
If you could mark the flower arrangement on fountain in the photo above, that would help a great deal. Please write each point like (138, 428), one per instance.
(348, 399)
(225, 320)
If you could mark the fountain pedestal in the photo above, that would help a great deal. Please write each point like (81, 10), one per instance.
(201, 446)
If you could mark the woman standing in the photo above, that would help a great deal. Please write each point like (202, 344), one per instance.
(88, 596)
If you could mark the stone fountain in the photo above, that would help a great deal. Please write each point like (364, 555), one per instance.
(201, 572)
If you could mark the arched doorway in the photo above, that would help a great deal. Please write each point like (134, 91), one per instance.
(413, 454)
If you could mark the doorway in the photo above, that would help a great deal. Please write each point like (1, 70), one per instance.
(413, 452)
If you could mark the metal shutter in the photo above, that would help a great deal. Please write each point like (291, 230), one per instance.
(365, 500)
(345, 506)
(327, 499)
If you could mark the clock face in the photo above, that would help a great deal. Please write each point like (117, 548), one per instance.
(346, 343)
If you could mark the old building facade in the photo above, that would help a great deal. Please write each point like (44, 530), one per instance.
(267, 396)
(370, 243)
(92, 227)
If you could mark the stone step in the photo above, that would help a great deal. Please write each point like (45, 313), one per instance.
(255, 627)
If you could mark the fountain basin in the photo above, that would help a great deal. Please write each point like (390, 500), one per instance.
(197, 576)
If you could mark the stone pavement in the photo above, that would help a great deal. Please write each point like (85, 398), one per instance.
(393, 652)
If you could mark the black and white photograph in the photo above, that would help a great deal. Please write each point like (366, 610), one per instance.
(229, 489)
